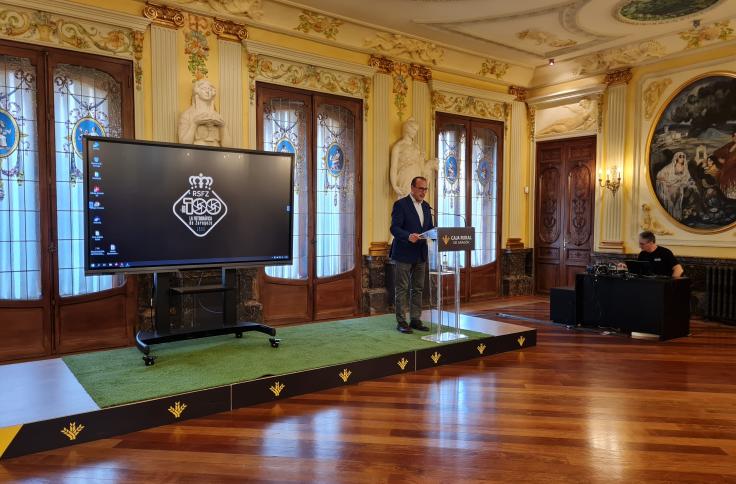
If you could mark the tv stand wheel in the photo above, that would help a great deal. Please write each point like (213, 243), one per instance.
(274, 342)
(149, 360)
(239, 335)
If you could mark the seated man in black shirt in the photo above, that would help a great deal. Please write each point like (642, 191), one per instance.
(663, 261)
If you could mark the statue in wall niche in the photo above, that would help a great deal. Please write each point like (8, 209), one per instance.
(408, 160)
(200, 124)
(582, 117)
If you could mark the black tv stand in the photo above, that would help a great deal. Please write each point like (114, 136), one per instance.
(163, 332)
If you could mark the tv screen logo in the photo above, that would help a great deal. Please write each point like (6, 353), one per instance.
(200, 208)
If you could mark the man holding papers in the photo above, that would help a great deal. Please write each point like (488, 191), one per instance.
(410, 217)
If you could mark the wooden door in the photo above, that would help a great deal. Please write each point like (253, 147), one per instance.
(325, 135)
(47, 305)
(468, 194)
(563, 236)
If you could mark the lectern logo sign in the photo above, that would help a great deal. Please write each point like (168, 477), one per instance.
(72, 430)
(177, 409)
(200, 208)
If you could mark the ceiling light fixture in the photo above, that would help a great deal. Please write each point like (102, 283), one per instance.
(696, 23)
(551, 62)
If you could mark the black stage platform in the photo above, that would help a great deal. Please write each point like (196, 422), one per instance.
(43, 406)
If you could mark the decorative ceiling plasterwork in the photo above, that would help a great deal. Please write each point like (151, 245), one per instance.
(540, 37)
(469, 106)
(493, 68)
(306, 76)
(401, 45)
(696, 37)
(70, 33)
(252, 9)
(627, 56)
(653, 94)
(329, 27)
(648, 11)
(581, 117)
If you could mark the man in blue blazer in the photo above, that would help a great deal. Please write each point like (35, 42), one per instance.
(410, 217)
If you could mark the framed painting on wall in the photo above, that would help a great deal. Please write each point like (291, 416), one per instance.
(692, 154)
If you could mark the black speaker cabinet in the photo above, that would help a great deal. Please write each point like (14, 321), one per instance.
(562, 307)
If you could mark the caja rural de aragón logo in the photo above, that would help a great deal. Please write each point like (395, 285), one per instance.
(200, 208)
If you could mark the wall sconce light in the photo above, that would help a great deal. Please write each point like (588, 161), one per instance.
(613, 179)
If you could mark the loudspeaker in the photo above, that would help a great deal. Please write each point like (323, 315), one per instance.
(562, 307)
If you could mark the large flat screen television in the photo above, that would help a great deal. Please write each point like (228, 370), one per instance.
(156, 207)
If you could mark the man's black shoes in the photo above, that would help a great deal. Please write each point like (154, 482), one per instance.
(403, 328)
(419, 326)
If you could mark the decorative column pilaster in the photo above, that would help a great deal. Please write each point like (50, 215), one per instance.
(614, 131)
(382, 192)
(518, 159)
(420, 101)
(165, 99)
(230, 35)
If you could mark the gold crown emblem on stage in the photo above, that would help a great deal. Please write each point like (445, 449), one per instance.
(481, 348)
(200, 182)
(521, 340)
(73, 430)
(436, 357)
(446, 239)
(276, 388)
(402, 363)
(177, 409)
(345, 374)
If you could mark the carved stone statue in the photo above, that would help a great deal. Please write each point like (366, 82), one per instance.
(408, 161)
(200, 124)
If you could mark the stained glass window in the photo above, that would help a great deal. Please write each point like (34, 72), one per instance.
(20, 251)
(335, 190)
(451, 178)
(484, 197)
(86, 101)
(285, 129)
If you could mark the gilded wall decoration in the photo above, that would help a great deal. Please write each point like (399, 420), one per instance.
(532, 119)
(540, 37)
(196, 46)
(28, 25)
(579, 117)
(308, 77)
(248, 8)
(400, 86)
(468, 105)
(322, 24)
(225, 29)
(398, 45)
(650, 223)
(652, 95)
(164, 15)
(696, 37)
(520, 93)
(493, 68)
(620, 76)
(692, 154)
(420, 73)
(620, 57)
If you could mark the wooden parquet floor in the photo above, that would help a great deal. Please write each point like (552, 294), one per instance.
(581, 406)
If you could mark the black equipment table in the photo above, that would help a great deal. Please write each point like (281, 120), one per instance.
(635, 304)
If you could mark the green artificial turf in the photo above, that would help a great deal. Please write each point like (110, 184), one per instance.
(119, 376)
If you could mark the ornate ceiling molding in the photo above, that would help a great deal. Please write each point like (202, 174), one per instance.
(383, 65)
(621, 76)
(519, 93)
(401, 45)
(328, 26)
(83, 12)
(450, 87)
(265, 49)
(252, 9)
(493, 68)
(625, 56)
(229, 30)
(163, 15)
(469, 106)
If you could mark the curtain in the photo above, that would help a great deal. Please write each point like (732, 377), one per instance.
(86, 101)
(20, 241)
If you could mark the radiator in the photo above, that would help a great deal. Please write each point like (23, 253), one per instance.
(720, 286)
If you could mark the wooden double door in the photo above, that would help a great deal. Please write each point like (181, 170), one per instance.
(564, 211)
(325, 135)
